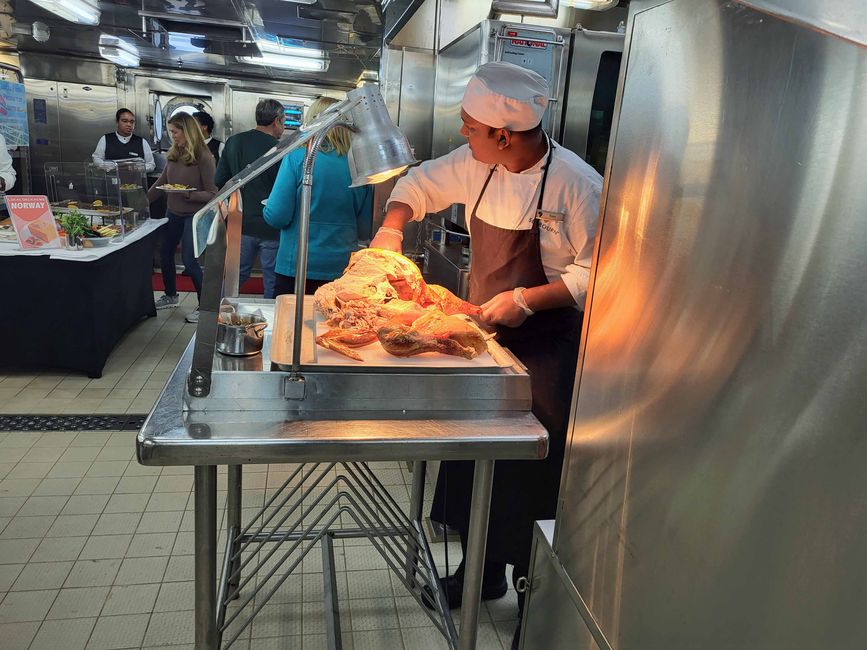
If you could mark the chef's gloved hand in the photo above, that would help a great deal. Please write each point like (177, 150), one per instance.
(391, 239)
(503, 310)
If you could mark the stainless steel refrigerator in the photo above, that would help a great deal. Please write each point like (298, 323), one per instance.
(714, 494)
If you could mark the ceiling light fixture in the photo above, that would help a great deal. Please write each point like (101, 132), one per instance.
(118, 51)
(83, 12)
(277, 47)
(592, 5)
(277, 55)
(274, 60)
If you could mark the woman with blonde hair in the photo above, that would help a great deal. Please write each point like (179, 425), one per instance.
(190, 165)
(339, 215)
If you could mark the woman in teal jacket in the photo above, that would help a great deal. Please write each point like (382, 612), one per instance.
(339, 215)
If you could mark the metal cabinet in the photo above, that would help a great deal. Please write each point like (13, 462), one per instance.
(66, 120)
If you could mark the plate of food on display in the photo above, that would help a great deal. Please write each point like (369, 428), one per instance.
(176, 187)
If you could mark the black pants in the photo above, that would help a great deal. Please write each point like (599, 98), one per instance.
(286, 284)
(179, 229)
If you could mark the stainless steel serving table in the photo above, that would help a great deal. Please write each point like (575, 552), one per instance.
(172, 436)
(286, 405)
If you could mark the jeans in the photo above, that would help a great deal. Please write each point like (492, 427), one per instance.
(267, 250)
(179, 230)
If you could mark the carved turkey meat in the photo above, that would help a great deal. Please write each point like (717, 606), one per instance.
(382, 289)
(433, 332)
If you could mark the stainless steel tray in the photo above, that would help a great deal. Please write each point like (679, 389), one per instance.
(260, 384)
(376, 360)
(171, 436)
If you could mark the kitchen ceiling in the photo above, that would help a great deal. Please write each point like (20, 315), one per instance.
(348, 32)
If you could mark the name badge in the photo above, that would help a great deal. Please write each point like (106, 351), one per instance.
(545, 215)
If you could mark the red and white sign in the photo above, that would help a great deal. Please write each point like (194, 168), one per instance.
(33, 222)
(519, 42)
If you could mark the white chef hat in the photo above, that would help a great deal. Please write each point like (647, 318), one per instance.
(506, 96)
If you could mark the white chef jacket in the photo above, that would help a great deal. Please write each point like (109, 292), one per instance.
(572, 189)
(6, 169)
(220, 148)
(99, 154)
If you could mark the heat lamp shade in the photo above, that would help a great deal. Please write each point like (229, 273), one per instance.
(379, 150)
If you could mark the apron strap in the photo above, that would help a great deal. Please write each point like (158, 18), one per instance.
(544, 181)
(482, 193)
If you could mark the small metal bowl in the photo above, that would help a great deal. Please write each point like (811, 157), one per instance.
(241, 340)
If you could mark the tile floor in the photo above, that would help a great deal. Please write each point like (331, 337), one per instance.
(96, 551)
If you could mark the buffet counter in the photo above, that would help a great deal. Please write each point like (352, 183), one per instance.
(77, 303)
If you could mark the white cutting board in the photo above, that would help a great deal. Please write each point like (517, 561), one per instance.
(375, 356)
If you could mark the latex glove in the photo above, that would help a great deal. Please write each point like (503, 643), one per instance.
(387, 240)
(502, 310)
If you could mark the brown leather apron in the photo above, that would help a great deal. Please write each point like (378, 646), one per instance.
(547, 344)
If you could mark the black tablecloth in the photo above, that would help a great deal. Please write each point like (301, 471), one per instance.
(66, 314)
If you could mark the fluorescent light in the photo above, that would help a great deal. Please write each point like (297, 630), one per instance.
(294, 50)
(287, 61)
(118, 51)
(184, 42)
(278, 55)
(83, 12)
(592, 5)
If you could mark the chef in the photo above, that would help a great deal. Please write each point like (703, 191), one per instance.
(123, 143)
(532, 213)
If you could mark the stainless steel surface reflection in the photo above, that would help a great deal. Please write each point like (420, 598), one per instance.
(171, 436)
(715, 493)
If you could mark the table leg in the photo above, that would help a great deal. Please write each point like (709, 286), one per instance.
(206, 557)
(419, 469)
(477, 535)
(233, 524)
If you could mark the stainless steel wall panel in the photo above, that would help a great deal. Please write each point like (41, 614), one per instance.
(714, 494)
(455, 64)
(86, 112)
(554, 624)
(416, 100)
(44, 126)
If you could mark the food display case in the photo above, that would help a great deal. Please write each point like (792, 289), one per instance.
(111, 195)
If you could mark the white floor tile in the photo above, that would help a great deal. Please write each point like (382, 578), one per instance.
(18, 636)
(80, 602)
(115, 632)
(42, 575)
(69, 635)
(131, 599)
(23, 606)
(169, 628)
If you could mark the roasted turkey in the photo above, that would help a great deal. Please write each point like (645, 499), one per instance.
(383, 290)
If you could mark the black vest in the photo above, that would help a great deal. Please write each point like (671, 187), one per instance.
(214, 146)
(117, 150)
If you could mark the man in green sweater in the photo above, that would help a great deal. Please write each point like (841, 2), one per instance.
(257, 237)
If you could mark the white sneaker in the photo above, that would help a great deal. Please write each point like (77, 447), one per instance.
(193, 316)
(167, 302)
